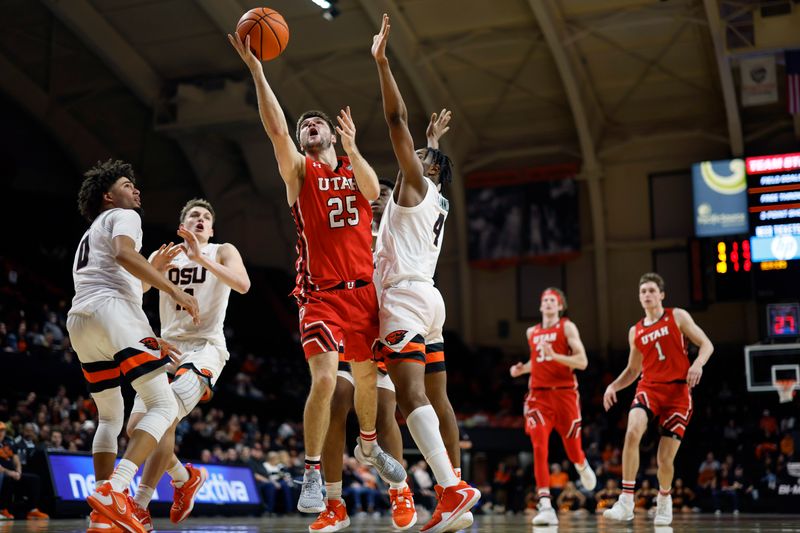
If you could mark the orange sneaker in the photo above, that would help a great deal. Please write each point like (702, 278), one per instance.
(333, 518)
(36, 514)
(142, 514)
(100, 524)
(183, 496)
(454, 502)
(116, 506)
(404, 515)
(5, 515)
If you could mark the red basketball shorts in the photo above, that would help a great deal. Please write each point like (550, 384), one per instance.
(670, 403)
(340, 320)
(559, 409)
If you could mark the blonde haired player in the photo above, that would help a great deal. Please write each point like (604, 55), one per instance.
(208, 271)
(659, 356)
(411, 308)
(553, 401)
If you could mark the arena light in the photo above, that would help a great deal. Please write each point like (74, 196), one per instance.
(324, 4)
(330, 11)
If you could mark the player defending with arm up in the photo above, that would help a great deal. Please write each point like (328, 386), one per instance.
(658, 353)
(411, 308)
(553, 401)
(330, 199)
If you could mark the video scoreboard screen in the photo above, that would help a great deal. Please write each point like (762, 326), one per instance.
(773, 200)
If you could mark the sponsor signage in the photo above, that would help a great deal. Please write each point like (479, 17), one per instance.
(73, 480)
(773, 197)
(720, 198)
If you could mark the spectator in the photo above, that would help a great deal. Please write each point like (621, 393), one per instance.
(279, 478)
(571, 500)
(607, 495)
(18, 488)
(26, 445)
(643, 499)
(682, 497)
(56, 443)
(53, 329)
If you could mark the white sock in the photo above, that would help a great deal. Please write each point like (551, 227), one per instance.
(423, 424)
(178, 473)
(143, 495)
(583, 466)
(626, 498)
(398, 486)
(123, 474)
(544, 502)
(334, 490)
(368, 440)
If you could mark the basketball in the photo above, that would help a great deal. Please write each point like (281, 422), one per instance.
(268, 32)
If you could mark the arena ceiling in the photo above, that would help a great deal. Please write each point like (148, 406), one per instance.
(529, 82)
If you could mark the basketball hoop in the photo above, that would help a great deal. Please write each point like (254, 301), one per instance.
(786, 389)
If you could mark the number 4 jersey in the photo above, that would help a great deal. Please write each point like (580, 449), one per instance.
(334, 228)
(663, 348)
(95, 271)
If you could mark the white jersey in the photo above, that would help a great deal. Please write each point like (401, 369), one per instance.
(212, 299)
(95, 271)
(410, 239)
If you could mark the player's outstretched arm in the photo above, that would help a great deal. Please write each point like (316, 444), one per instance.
(413, 186)
(627, 376)
(228, 267)
(161, 259)
(291, 162)
(578, 357)
(135, 263)
(437, 127)
(690, 328)
(365, 175)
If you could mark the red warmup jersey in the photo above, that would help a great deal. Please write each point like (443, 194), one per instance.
(664, 356)
(334, 234)
(548, 373)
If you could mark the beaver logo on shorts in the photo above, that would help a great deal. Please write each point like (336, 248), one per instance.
(396, 336)
(151, 343)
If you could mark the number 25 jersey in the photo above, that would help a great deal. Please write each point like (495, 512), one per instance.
(663, 348)
(334, 228)
(410, 239)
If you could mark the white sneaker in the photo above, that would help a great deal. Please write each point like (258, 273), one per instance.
(588, 479)
(663, 511)
(545, 517)
(620, 511)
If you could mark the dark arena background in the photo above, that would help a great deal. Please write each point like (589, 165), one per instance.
(592, 141)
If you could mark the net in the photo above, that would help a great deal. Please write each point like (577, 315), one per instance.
(786, 389)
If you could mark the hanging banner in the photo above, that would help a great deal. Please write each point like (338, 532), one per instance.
(759, 85)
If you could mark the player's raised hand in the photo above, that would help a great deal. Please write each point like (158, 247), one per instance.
(379, 41)
(609, 398)
(170, 350)
(694, 375)
(346, 130)
(516, 370)
(438, 126)
(164, 256)
(188, 303)
(190, 246)
(244, 51)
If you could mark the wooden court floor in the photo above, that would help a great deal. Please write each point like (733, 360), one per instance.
(488, 524)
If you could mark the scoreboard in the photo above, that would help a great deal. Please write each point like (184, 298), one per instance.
(773, 203)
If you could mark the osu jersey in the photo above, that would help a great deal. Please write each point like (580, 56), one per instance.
(334, 222)
(664, 355)
(212, 297)
(546, 373)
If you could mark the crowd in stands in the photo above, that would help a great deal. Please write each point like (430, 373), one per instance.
(734, 457)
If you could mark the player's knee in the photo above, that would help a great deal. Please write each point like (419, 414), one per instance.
(133, 421)
(323, 384)
(161, 405)
(111, 418)
(411, 399)
(188, 388)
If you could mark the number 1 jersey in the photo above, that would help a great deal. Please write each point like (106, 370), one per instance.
(334, 228)
(410, 239)
(664, 355)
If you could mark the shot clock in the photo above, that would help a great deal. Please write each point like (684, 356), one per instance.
(783, 320)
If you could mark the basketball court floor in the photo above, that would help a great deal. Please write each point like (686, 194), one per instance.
(484, 524)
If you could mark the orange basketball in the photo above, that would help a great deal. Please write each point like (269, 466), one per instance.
(268, 32)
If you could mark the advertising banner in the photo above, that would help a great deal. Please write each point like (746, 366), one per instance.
(720, 198)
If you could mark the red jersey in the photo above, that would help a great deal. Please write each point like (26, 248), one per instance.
(546, 373)
(334, 228)
(664, 355)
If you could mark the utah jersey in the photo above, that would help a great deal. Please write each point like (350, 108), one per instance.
(664, 355)
(212, 298)
(334, 223)
(546, 373)
(95, 271)
(410, 239)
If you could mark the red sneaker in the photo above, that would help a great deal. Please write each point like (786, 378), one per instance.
(404, 515)
(5, 515)
(36, 514)
(183, 497)
(454, 502)
(116, 506)
(333, 518)
(100, 524)
(142, 514)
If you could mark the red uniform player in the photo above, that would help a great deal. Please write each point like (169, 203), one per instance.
(553, 401)
(658, 353)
